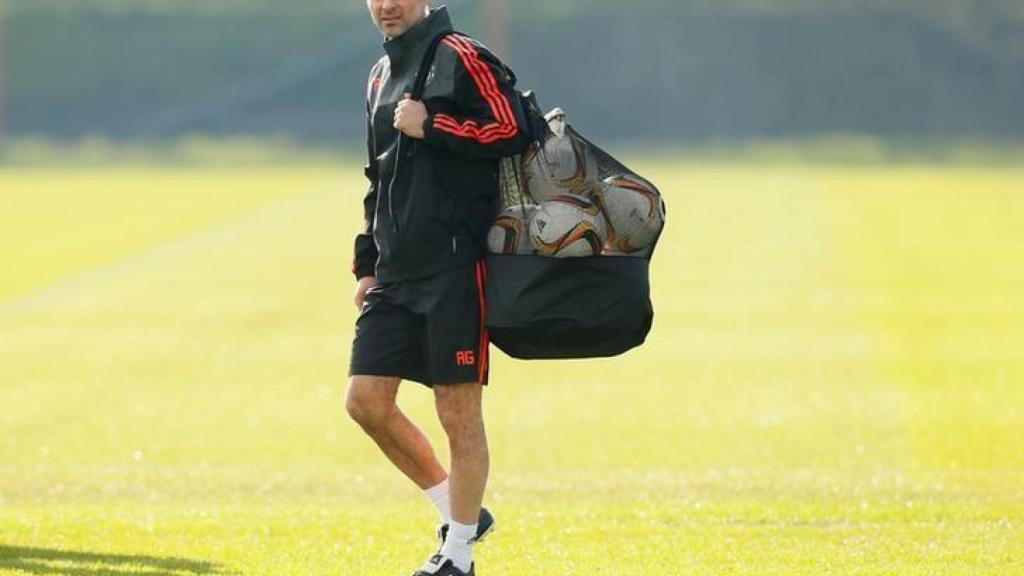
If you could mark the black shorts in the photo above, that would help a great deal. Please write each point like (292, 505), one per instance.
(429, 330)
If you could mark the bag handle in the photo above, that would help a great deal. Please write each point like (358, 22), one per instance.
(428, 60)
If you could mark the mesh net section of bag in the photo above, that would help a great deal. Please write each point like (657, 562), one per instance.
(566, 197)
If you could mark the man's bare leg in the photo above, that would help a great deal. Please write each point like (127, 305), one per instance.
(371, 403)
(459, 408)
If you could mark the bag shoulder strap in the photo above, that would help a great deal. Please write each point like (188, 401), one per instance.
(428, 60)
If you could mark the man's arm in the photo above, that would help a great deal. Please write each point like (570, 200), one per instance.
(490, 121)
(365, 252)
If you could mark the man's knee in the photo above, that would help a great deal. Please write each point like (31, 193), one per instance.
(370, 400)
(459, 409)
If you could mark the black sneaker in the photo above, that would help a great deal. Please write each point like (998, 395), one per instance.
(484, 526)
(439, 565)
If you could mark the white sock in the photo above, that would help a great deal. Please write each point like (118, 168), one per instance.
(439, 496)
(459, 545)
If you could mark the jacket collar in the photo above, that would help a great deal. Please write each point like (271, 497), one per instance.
(416, 39)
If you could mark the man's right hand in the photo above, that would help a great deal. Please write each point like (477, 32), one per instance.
(364, 285)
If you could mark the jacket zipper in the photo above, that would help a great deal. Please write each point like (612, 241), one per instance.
(394, 175)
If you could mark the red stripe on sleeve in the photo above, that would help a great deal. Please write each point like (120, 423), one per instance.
(469, 129)
(504, 126)
(486, 82)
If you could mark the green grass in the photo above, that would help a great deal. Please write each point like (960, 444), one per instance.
(834, 385)
(58, 222)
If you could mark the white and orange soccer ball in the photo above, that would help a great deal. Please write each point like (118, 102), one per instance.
(634, 212)
(568, 226)
(561, 165)
(510, 232)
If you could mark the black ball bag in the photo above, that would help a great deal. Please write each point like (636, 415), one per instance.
(541, 307)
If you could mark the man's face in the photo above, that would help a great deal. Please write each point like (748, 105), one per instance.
(395, 17)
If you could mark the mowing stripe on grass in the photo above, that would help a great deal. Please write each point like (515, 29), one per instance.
(103, 274)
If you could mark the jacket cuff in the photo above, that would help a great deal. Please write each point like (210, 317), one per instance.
(362, 269)
(364, 259)
(430, 135)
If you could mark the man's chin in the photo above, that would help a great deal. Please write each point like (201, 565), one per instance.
(392, 30)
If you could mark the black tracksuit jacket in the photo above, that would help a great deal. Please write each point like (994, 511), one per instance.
(434, 215)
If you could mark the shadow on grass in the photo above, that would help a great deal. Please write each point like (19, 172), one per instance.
(68, 563)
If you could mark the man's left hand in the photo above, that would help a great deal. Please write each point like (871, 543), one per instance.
(409, 117)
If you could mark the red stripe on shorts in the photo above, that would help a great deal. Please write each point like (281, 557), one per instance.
(481, 368)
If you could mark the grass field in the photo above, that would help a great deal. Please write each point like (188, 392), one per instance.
(834, 385)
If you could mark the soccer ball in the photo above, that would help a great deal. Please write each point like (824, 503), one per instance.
(568, 225)
(561, 165)
(509, 234)
(634, 212)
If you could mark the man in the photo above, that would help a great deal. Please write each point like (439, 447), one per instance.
(433, 193)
